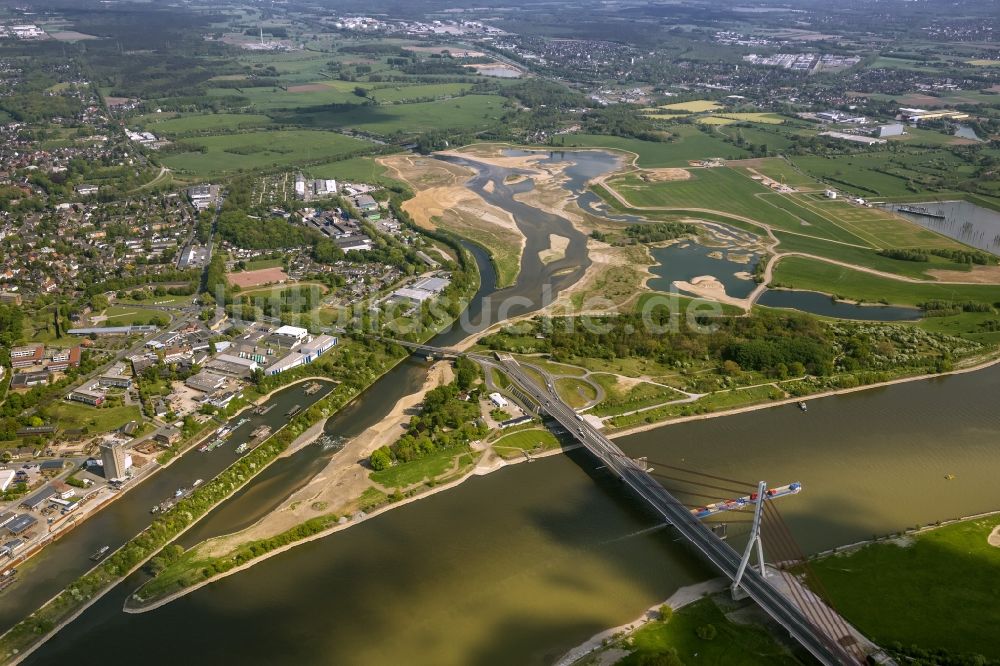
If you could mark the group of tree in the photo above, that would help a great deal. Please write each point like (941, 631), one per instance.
(775, 344)
(660, 231)
(957, 255)
(447, 419)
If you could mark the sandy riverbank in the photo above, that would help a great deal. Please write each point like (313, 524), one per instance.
(494, 464)
(441, 200)
(336, 488)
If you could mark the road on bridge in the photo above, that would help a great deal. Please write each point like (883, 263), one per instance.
(822, 646)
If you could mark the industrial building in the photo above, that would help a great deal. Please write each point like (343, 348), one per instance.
(839, 117)
(228, 364)
(421, 290)
(203, 196)
(205, 381)
(306, 353)
(916, 115)
(856, 138)
(6, 479)
(116, 381)
(26, 380)
(21, 523)
(289, 336)
(116, 461)
(895, 129)
(498, 400)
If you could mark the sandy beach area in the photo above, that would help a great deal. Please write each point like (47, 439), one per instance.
(338, 486)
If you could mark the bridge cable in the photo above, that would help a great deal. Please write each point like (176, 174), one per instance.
(816, 584)
(822, 614)
(710, 476)
(697, 484)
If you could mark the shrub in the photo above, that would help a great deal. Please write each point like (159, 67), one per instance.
(706, 632)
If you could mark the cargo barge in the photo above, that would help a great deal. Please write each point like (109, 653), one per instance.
(745, 501)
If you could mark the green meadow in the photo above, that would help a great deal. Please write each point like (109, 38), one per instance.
(203, 122)
(364, 169)
(469, 112)
(812, 275)
(869, 258)
(686, 143)
(228, 153)
(935, 590)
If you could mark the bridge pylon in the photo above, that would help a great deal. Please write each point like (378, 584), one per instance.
(754, 544)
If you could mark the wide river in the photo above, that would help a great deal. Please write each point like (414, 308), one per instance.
(520, 565)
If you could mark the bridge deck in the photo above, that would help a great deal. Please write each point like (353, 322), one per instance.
(824, 648)
(717, 551)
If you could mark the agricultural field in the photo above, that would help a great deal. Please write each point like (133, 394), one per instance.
(228, 153)
(722, 189)
(694, 106)
(849, 223)
(716, 120)
(175, 124)
(461, 113)
(292, 97)
(781, 170)
(655, 114)
(771, 137)
(892, 590)
(404, 93)
(764, 118)
(889, 175)
(687, 143)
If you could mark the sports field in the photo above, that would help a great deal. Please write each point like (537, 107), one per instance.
(257, 277)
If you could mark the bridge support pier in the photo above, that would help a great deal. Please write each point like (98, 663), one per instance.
(753, 544)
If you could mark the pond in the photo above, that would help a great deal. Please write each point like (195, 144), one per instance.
(688, 260)
(822, 304)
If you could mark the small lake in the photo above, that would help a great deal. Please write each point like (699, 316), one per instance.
(966, 132)
(500, 72)
(688, 260)
(821, 304)
(961, 220)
